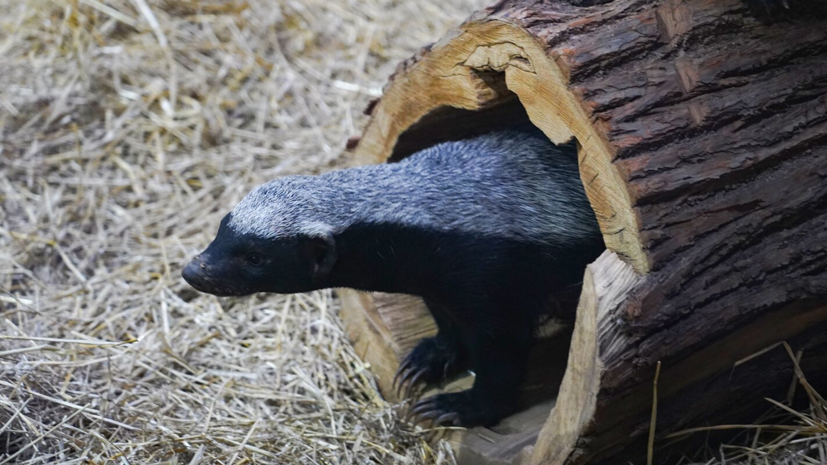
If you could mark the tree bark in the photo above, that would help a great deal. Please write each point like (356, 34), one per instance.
(702, 138)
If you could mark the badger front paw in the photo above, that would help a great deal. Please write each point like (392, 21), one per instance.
(464, 408)
(432, 360)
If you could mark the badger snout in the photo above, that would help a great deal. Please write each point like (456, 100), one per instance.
(195, 273)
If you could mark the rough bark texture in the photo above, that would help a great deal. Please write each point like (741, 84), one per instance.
(703, 150)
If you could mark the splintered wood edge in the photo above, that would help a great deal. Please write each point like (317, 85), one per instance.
(448, 76)
(606, 284)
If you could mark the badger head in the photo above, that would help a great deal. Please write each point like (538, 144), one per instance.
(272, 241)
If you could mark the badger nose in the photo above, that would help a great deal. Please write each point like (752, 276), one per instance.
(192, 272)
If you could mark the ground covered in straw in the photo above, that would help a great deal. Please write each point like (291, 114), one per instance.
(128, 128)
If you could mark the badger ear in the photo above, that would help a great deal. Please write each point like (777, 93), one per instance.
(322, 251)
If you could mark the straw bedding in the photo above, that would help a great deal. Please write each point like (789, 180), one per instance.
(127, 129)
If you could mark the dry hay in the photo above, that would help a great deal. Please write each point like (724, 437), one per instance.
(127, 129)
(782, 436)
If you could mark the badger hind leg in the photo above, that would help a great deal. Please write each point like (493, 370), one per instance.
(434, 359)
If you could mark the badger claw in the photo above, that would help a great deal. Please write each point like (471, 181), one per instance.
(406, 364)
(412, 384)
(464, 408)
(408, 381)
(431, 361)
(446, 419)
(421, 407)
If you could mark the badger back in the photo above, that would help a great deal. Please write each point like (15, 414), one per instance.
(512, 183)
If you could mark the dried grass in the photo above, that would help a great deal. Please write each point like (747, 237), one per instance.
(127, 129)
(782, 436)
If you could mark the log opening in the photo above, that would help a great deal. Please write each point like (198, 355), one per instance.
(461, 92)
(501, 75)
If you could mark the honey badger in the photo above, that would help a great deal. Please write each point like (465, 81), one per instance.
(486, 230)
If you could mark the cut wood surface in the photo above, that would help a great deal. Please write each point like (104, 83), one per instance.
(702, 139)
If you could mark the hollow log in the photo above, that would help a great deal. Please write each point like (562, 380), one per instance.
(702, 145)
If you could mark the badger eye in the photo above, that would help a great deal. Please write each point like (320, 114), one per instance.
(254, 259)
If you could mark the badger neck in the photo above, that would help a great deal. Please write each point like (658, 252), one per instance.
(379, 240)
(382, 258)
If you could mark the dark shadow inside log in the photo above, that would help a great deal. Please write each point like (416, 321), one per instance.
(452, 124)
